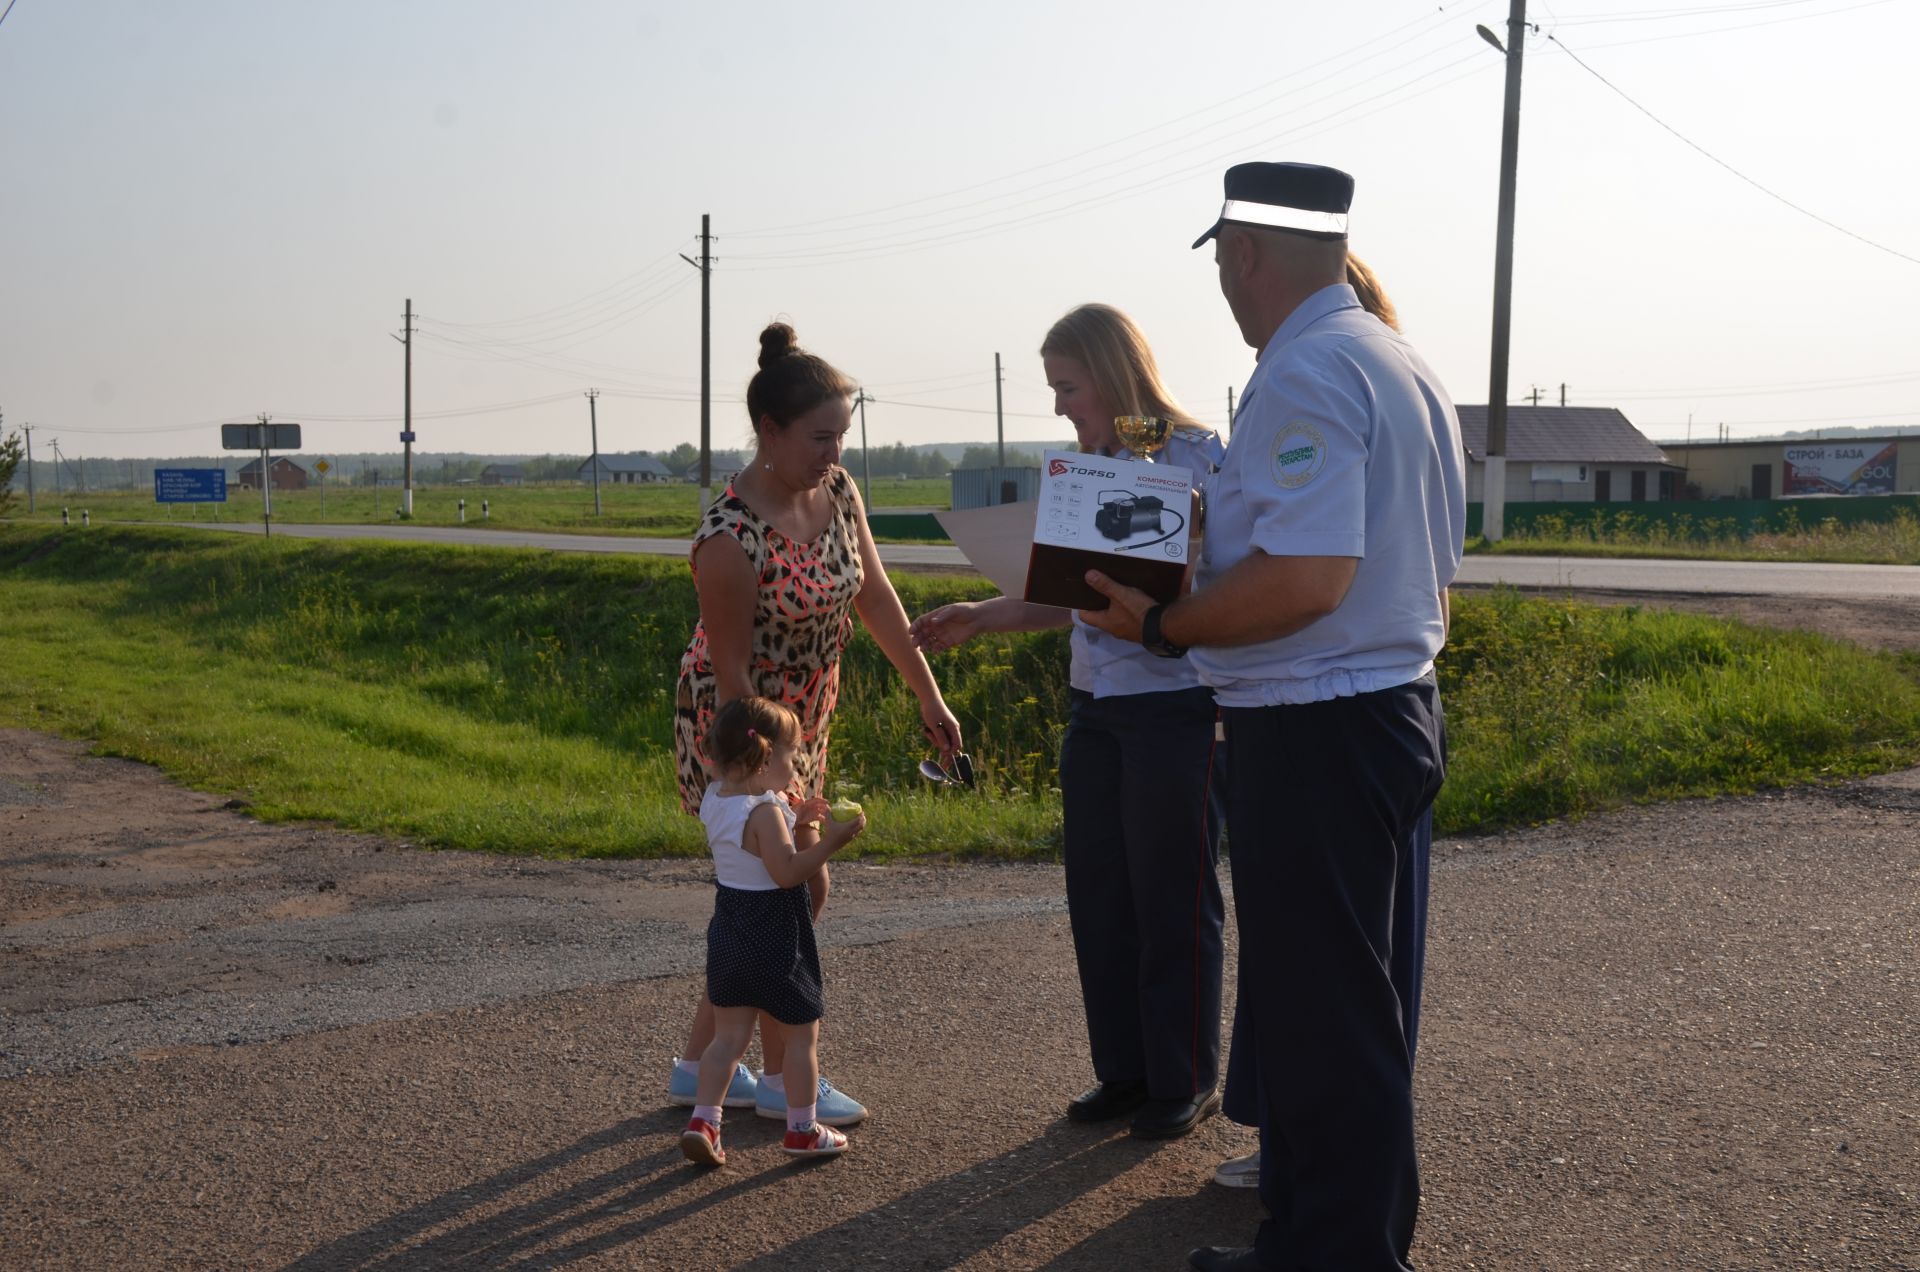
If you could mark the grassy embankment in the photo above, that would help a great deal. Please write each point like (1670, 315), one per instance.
(670, 511)
(1895, 541)
(522, 701)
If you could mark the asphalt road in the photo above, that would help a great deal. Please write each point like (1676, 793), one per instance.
(1664, 1037)
(1743, 578)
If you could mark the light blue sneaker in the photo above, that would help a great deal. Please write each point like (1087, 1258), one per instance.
(831, 1107)
(682, 1087)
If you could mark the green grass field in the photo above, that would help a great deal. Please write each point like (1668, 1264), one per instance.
(670, 511)
(521, 701)
(1894, 541)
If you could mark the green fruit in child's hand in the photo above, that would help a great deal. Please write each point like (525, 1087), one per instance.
(845, 810)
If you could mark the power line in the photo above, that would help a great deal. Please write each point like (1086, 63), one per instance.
(1725, 391)
(649, 268)
(9, 9)
(586, 328)
(1657, 15)
(1742, 26)
(1810, 419)
(1290, 78)
(842, 254)
(1724, 164)
(959, 410)
(861, 247)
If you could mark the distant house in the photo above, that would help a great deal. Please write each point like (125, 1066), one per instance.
(725, 466)
(1569, 453)
(503, 475)
(631, 469)
(287, 475)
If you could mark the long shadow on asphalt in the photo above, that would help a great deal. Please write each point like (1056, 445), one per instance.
(485, 1237)
(950, 1220)
(937, 1225)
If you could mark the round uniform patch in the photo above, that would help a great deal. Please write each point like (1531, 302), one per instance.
(1299, 453)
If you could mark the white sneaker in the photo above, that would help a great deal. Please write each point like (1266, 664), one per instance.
(1239, 1172)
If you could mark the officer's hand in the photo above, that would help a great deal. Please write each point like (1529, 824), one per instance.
(1122, 618)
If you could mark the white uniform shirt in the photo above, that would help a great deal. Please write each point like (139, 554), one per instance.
(1106, 666)
(725, 817)
(1344, 445)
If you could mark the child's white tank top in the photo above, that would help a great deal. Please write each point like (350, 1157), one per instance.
(725, 817)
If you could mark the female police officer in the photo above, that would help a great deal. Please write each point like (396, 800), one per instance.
(1142, 811)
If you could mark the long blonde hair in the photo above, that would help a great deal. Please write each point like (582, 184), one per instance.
(1373, 297)
(1115, 354)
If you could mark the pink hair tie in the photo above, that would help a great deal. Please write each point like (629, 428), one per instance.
(752, 734)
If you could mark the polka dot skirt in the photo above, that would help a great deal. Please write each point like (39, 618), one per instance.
(760, 953)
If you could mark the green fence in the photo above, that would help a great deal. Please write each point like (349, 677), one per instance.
(1696, 518)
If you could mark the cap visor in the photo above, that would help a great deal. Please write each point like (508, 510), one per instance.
(1211, 231)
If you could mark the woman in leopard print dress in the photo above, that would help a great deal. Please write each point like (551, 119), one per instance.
(782, 562)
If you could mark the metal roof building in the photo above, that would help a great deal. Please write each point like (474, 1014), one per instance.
(1578, 453)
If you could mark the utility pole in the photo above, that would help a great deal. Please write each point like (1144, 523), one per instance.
(1535, 395)
(406, 427)
(1563, 395)
(1494, 496)
(999, 417)
(593, 418)
(705, 266)
(1229, 412)
(866, 454)
(56, 467)
(1687, 465)
(28, 430)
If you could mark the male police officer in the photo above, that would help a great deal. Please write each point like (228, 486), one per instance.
(1334, 527)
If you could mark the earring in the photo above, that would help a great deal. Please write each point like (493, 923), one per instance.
(768, 467)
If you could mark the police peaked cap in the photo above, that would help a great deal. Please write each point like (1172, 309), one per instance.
(1301, 198)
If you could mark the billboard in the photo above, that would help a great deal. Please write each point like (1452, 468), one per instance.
(1839, 468)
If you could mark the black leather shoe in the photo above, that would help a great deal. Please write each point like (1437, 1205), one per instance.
(1106, 1101)
(1226, 1259)
(1170, 1119)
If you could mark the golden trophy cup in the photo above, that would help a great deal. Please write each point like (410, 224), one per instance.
(1144, 435)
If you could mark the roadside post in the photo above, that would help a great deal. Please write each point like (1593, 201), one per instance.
(266, 437)
(463, 512)
(322, 467)
(483, 510)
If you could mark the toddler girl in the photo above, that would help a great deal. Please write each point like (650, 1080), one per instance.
(760, 950)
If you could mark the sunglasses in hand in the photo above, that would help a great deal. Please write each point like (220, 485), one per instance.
(962, 774)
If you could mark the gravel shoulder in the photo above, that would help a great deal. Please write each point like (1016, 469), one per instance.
(1672, 1036)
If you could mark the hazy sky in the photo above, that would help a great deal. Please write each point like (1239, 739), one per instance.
(215, 208)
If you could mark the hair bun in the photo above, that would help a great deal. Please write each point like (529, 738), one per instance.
(776, 342)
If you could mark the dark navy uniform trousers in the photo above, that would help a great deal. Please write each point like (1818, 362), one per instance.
(1143, 818)
(1326, 803)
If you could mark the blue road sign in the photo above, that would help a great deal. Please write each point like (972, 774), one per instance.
(406, 437)
(190, 485)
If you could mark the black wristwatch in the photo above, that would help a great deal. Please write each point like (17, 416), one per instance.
(1151, 638)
